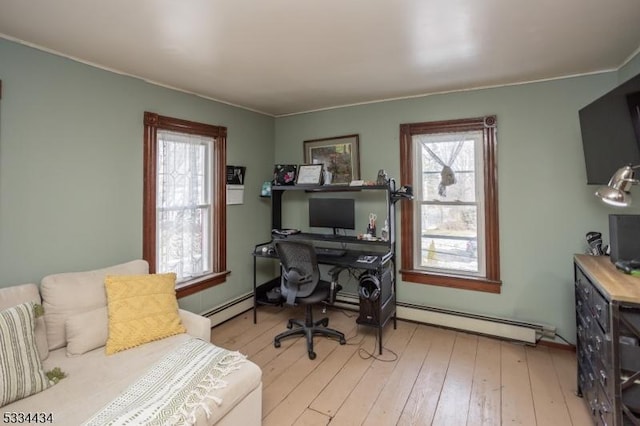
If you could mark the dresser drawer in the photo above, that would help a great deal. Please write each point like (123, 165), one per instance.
(589, 298)
(605, 409)
(600, 310)
(587, 380)
(584, 288)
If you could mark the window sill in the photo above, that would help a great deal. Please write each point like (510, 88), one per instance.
(190, 287)
(452, 281)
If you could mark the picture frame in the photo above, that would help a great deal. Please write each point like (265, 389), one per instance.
(236, 175)
(265, 191)
(284, 174)
(309, 174)
(340, 156)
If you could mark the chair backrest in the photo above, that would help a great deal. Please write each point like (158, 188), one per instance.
(300, 269)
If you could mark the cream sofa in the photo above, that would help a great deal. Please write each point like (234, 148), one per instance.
(72, 333)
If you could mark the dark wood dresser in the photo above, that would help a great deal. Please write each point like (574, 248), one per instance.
(608, 340)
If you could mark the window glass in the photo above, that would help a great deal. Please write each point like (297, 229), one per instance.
(183, 203)
(447, 208)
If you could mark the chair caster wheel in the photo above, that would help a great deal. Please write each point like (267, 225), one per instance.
(276, 344)
(289, 325)
(343, 341)
(312, 355)
(325, 322)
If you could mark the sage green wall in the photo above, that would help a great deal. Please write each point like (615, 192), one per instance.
(71, 169)
(545, 205)
(71, 175)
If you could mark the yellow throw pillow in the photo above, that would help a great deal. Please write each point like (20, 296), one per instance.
(142, 308)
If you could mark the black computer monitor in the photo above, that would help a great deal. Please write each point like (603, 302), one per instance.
(334, 213)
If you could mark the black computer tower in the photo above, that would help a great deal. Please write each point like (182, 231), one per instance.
(375, 291)
(624, 236)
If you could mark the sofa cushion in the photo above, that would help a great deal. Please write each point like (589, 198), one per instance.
(87, 331)
(21, 373)
(75, 292)
(12, 296)
(142, 308)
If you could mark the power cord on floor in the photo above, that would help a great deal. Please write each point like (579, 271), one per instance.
(556, 335)
(565, 340)
(362, 352)
(365, 354)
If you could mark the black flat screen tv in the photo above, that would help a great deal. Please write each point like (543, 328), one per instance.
(334, 213)
(610, 128)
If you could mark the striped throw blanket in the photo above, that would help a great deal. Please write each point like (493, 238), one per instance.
(173, 391)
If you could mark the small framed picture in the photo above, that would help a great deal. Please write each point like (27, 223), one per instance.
(284, 174)
(309, 174)
(235, 175)
(266, 189)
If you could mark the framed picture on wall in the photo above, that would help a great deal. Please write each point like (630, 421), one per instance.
(339, 155)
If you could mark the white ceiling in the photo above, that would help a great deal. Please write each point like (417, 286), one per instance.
(288, 56)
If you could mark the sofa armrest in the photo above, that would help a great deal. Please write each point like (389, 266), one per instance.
(196, 325)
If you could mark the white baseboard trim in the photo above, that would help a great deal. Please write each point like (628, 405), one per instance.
(506, 329)
(475, 325)
(230, 309)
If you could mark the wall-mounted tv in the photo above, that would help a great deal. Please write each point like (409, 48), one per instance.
(608, 136)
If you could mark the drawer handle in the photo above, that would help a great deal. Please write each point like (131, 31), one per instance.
(604, 377)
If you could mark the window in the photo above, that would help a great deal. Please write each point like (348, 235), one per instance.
(450, 230)
(184, 201)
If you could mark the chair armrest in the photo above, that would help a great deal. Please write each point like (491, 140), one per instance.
(196, 325)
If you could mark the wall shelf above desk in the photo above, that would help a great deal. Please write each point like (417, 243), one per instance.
(277, 193)
(330, 238)
(328, 188)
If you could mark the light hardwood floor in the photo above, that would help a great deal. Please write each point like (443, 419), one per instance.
(425, 376)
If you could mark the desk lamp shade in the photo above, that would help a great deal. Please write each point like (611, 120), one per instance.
(616, 193)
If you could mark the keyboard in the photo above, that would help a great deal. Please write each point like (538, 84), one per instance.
(328, 251)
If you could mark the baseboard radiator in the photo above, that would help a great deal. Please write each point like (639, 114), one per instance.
(480, 324)
(230, 309)
(490, 326)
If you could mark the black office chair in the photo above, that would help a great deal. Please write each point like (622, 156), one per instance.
(301, 284)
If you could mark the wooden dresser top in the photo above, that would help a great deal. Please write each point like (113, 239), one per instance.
(616, 284)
